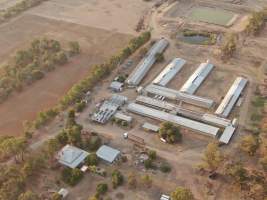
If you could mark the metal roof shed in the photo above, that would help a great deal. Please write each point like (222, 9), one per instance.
(123, 117)
(150, 127)
(231, 97)
(163, 116)
(146, 63)
(227, 134)
(169, 71)
(197, 78)
(116, 86)
(71, 156)
(108, 154)
(177, 95)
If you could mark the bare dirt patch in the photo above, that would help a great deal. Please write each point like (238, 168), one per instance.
(97, 45)
(118, 15)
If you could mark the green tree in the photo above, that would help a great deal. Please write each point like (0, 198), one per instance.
(146, 181)
(249, 144)
(101, 188)
(170, 132)
(237, 172)
(56, 196)
(71, 176)
(74, 47)
(152, 154)
(91, 159)
(165, 167)
(213, 157)
(28, 195)
(229, 47)
(132, 181)
(181, 193)
(117, 178)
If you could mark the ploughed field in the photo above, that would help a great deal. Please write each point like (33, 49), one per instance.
(97, 45)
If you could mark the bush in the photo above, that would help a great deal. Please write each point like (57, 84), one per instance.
(93, 143)
(181, 193)
(71, 176)
(170, 132)
(117, 178)
(152, 154)
(74, 48)
(148, 164)
(165, 167)
(101, 188)
(91, 159)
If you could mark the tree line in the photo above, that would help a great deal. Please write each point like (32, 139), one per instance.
(30, 65)
(18, 8)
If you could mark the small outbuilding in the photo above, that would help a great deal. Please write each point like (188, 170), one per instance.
(116, 86)
(71, 156)
(123, 117)
(63, 193)
(108, 154)
(150, 127)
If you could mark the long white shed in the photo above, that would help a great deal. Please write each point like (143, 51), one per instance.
(231, 97)
(146, 63)
(181, 121)
(168, 73)
(197, 78)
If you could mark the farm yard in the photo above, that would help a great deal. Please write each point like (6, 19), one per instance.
(147, 112)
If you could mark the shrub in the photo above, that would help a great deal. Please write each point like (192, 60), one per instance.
(91, 159)
(170, 132)
(101, 188)
(71, 176)
(165, 167)
(117, 178)
(152, 154)
(148, 164)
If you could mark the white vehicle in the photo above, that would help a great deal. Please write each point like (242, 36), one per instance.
(125, 135)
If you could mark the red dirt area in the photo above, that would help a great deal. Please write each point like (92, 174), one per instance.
(97, 45)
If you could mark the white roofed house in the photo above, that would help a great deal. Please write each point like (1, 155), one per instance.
(108, 154)
(71, 156)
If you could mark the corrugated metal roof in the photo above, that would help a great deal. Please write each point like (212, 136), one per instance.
(177, 95)
(231, 97)
(146, 63)
(163, 116)
(197, 78)
(115, 85)
(227, 134)
(71, 156)
(166, 106)
(169, 71)
(107, 153)
(151, 127)
(124, 117)
(155, 103)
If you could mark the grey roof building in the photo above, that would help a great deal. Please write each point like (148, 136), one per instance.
(231, 97)
(71, 156)
(163, 116)
(146, 63)
(197, 78)
(108, 154)
(116, 86)
(169, 71)
(177, 95)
